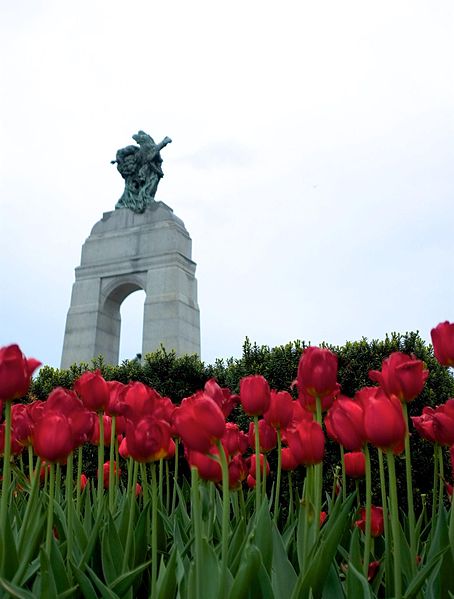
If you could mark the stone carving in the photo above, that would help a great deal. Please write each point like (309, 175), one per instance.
(140, 167)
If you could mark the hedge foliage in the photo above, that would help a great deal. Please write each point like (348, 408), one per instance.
(179, 377)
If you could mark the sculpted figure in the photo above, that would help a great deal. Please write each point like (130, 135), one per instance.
(140, 167)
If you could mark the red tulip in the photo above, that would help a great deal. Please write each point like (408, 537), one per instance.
(106, 473)
(250, 481)
(83, 481)
(443, 342)
(238, 471)
(148, 439)
(123, 449)
(207, 467)
(222, 396)
(251, 463)
(255, 394)
(288, 461)
(52, 437)
(16, 448)
(376, 521)
(280, 411)
(93, 390)
(199, 422)
(15, 372)
(116, 404)
(22, 424)
(401, 375)
(140, 401)
(234, 440)
(355, 464)
(323, 517)
(307, 443)
(107, 425)
(372, 570)
(81, 420)
(267, 436)
(384, 422)
(424, 424)
(317, 377)
(443, 423)
(345, 423)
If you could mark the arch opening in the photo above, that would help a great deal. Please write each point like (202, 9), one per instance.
(131, 327)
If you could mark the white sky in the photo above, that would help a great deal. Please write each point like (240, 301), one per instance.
(312, 160)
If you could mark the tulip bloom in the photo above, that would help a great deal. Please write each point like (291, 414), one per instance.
(148, 439)
(199, 421)
(376, 521)
(251, 462)
(207, 467)
(355, 464)
(288, 461)
(424, 423)
(52, 437)
(234, 441)
(307, 443)
(345, 423)
(255, 395)
(267, 436)
(83, 481)
(317, 377)
(116, 405)
(222, 396)
(238, 471)
(384, 422)
(15, 372)
(401, 375)
(93, 390)
(106, 472)
(280, 411)
(443, 342)
(443, 423)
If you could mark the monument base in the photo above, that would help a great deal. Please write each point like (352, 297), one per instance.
(126, 252)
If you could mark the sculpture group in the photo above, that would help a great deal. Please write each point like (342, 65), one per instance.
(140, 167)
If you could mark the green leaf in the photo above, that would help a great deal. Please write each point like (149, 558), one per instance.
(416, 584)
(353, 584)
(236, 546)
(366, 590)
(84, 582)
(141, 535)
(333, 587)
(122, 584)
(16, 591)
(48, 586)
(166, 585)
(58, 568)
(246, 573)
(263, 537)
(283, 575)
(9, 562)
(103, 589)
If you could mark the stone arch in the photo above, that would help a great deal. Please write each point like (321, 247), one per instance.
(124, 253)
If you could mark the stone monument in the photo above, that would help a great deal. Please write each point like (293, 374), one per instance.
(139, 245)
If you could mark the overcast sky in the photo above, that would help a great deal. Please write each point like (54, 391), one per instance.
(312, 160)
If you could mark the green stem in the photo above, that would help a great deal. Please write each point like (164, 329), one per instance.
(368, 512)
(395, 526)
(154, 531)
(257, 467)
(318, 470)
(441, 468)
(278, 477)
(30, 463)
(344, 475)
(69, 510)
(410, 504)
(290, 494)
(225, 515)
(175, 477)
(435, 487)
(384, 502)
(167, 486)
(197, 522)
(50, 508)
(161, 481)
(79, 474)
(6, 483)
(132, 500)
(112, 464)
(144, 478)
(100, 461)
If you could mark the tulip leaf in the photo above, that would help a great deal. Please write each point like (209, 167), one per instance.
(236, 547)
(366, 590)
(353, 584)
(69, 593)
(263, 537)
(58, 568)
(246, 573)
(85, 584)
(283, 575)
(417, 582)
(141, 535)
(333, 588)
(106, 593)
(16, 591)
(48, 585)
(91, 542)
(166, 585)
(9, 561)
(122, 584)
